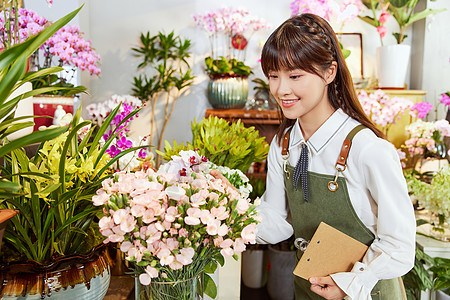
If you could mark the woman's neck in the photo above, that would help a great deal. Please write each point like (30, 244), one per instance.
(310, 124)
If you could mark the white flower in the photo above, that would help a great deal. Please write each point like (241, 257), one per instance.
(175, 192)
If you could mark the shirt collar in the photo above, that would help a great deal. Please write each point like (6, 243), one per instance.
(323, 135)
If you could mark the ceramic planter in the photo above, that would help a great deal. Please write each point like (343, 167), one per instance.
(80, 277)
(227, 91)
(392, 65)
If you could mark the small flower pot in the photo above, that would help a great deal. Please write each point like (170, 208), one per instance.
(227, 91)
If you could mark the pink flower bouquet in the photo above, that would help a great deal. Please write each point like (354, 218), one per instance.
(174, 222)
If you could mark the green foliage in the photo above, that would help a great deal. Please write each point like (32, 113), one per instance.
(419, 278)
(54, 80)
(224, 143)
(55, 201)
(167, 57)
(434, 196)
(223, 65)
(259, 187)
(13, 63)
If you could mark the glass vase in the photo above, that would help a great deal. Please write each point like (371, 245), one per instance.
(168, 290)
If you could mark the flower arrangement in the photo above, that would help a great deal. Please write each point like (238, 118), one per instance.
(229, 31)
(173, 222)
(66, 48)
(382, 109)
(98, 112)
(331, 10)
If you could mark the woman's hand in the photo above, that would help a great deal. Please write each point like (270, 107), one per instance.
(326, 287)
(217, 175)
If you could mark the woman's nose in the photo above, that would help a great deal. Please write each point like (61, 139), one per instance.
(283, 88)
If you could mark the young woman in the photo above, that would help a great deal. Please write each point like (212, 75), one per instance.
(313, 176)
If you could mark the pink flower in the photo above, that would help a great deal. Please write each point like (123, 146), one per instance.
(193, 216)
(146, 277)
(101, 198)
(185, 256)
(445, 99)
(212, 227)
(382, 31)
(248, 233)
(384, 17)
(421, 109)
(165, 257)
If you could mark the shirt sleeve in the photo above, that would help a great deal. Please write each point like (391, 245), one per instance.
(274, 210)
(392, 252)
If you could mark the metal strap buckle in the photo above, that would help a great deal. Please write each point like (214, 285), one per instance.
(301, 244)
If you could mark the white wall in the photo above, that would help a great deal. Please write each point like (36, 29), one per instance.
(114, 27)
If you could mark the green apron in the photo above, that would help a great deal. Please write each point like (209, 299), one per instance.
(335, 209)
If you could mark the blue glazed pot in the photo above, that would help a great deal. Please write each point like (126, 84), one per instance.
(227, 91)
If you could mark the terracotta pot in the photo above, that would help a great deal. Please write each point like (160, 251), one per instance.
(67, 277)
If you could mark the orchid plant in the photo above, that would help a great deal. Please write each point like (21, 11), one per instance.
(176, 221)
(382, 109)
(229, 31)
(98, 112)
(66, 48)
(331, 10)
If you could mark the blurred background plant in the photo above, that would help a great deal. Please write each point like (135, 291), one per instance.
(337, 13)
(229, 31)
(66, 48)
(167, 57)
(382, 109)
(403, 11)
(98, 112)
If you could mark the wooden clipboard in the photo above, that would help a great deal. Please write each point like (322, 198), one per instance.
(329, 251)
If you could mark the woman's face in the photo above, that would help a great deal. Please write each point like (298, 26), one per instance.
(302, 95)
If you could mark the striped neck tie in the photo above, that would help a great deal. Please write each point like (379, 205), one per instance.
(301, 169)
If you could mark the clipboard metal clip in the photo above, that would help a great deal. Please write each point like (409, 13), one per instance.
(301, 244)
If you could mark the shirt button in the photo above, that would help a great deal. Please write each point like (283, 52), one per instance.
(361, 269)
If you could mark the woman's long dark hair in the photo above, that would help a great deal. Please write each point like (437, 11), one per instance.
(308, 42)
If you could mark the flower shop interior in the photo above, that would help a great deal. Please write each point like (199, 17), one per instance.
(127, 94)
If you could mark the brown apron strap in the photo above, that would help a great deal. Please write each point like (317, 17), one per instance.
(342, 159)
(285, 142)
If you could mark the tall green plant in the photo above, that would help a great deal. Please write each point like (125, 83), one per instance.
(13, 75)
(167, 57)
(224, 143)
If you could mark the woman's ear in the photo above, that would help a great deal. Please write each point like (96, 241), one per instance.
(331, 72)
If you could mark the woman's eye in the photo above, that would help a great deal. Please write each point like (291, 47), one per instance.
(295, 76)
(273, 76)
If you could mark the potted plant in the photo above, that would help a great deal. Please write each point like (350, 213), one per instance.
(263, 97)
(393, 60)
(229, 31)
(46, 228)
(224, 143)
(66, 49)
(167, 55)
(13, 76)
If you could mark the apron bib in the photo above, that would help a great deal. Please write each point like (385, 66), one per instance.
(335, 209)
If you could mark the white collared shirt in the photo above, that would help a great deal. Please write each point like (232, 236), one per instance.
(377, 191)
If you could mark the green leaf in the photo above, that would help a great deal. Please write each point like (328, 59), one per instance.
(209, 286)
